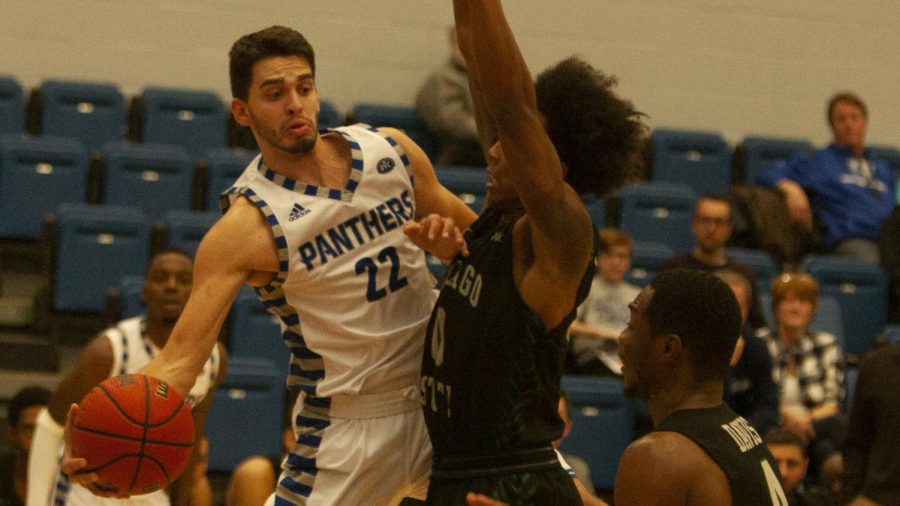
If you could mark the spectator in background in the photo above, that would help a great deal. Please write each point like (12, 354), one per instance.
(790, 454)
(871, 458)
(749, 389)
(841, 185)
(445, 105)
(807, 366)
(711, 228)
(20, 417)
(604, 314)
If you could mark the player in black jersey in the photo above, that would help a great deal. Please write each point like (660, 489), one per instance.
(675, 352)
(497, 337)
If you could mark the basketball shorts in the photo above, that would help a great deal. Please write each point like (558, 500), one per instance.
(535, 482)
(362, 450)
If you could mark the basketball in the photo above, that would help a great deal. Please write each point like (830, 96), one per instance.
(135, 432)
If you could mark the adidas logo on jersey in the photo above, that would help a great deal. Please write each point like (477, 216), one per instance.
(297, 211)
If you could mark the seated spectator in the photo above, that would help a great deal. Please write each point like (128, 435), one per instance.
(445, 105)
(711, 228)
(21, 415)
(604, 313)
(871, 458)
(841, 185)
(749, 389)
(807, 366)
(790, 454)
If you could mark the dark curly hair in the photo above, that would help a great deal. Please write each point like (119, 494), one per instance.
(272, 41)
(598, 136)
(703, 311)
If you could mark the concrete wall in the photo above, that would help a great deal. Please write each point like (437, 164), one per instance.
(738, 67)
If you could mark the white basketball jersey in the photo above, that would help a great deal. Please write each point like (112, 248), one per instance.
(132, 350)
(353, 293)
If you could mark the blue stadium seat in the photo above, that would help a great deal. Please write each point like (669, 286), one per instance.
(861, 289)
(469, 184)
(329, 116)
(93, 113)
(404, 118)
(602, 425)
(193, 119)
(255, 332)
(701, 160)
(757, 154)
(224, 166)
(12, 106)
(658, 212)
(130, 297)
(185, 228)
(155, 178)
(646, 259)
(37, 174)
(758, 260)
(597, 209)
(246, 414)
(828, 318)
(94, 247)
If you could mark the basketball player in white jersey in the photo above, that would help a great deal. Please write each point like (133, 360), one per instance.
(126, 348)
(314, 224)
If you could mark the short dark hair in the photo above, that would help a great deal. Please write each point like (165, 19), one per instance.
(703, 311)
(166, 251)
(598, 136)
(24, 399)
(848, 98)
(782, 436)
(272, 41)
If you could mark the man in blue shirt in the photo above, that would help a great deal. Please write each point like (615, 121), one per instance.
(844, 187)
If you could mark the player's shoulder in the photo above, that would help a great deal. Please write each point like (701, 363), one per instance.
(666, 450)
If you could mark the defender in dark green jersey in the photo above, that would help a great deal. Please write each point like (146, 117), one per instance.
(497, 337)
(675, 352)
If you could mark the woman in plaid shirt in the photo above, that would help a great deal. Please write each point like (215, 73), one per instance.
(807, 366)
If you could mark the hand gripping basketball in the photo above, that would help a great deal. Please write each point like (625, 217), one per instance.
(135, 432)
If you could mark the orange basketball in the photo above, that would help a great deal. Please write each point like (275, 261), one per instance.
(135, 432)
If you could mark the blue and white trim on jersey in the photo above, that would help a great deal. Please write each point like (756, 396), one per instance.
(306, 367)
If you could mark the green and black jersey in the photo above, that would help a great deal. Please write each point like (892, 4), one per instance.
(491, 371)
(736, 447)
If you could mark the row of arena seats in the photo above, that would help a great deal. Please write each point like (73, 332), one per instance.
(198, 120)
(37, 174)
(91, 247)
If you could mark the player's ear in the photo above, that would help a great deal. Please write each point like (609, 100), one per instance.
(671, 346)
(239, 111)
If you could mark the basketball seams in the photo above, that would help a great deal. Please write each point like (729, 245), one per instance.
(123, 437)
(135, 454)
(137, 467)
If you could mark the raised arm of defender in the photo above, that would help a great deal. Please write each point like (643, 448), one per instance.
(557, 229)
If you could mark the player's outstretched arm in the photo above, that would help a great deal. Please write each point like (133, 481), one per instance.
(558, 226)
(237, 248)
